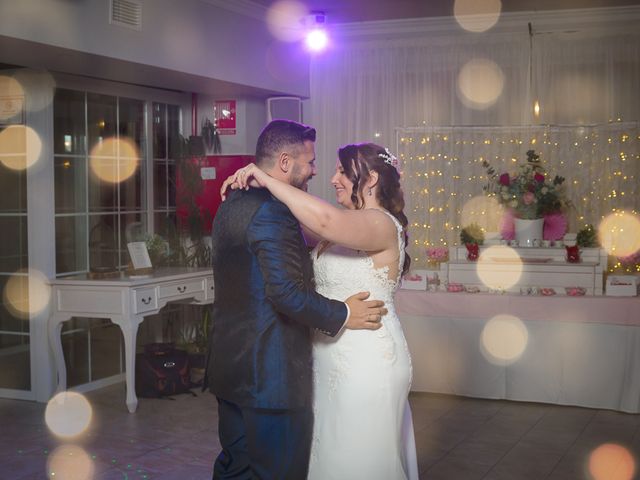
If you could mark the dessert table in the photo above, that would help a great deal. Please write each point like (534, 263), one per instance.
(580, 350)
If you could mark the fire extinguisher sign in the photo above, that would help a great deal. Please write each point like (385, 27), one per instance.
(224, 114)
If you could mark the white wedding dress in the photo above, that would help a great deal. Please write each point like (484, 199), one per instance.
(362, 420)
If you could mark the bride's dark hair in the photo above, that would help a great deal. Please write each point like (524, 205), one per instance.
(357, 161)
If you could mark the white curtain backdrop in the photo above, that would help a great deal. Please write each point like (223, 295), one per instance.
(586, 77)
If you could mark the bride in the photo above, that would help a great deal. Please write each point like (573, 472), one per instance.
(362, 420)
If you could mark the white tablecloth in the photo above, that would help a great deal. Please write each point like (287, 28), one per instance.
(580, 351)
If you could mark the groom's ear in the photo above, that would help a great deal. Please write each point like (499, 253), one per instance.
(284, 162)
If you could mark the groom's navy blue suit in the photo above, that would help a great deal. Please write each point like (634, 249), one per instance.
(259, 363)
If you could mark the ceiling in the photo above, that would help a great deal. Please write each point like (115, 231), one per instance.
(349, 11)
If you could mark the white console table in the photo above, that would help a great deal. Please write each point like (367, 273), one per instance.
(125, 301)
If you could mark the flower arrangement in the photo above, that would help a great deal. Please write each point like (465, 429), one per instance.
(436, 255)
(528, 194)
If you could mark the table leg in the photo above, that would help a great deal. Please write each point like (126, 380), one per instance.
(55, 341)
(129, 329)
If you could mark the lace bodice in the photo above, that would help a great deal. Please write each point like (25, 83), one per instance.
(341, 272)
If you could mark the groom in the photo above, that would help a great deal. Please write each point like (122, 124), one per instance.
(264, 311)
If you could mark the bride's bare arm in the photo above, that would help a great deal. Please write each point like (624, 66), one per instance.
(369, 230)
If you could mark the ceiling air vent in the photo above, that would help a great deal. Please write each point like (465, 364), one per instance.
(126, 13)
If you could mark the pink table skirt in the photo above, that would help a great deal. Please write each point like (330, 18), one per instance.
(588, 309)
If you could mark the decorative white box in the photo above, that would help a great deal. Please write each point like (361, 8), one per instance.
(540, 268)
(622, 286)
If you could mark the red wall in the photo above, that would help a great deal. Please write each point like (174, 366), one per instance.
(208, 200)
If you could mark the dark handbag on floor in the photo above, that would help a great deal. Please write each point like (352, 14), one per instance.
(162, 370)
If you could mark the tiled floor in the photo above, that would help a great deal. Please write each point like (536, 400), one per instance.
(457, 439)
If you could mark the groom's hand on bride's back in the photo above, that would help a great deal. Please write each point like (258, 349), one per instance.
(364, 314)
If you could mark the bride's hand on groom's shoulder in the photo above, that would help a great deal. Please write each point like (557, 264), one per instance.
(244, 178)
(364, 314)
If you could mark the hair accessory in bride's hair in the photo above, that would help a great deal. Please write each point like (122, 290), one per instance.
(389, 158)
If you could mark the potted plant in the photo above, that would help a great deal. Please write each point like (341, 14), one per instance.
(472, 237)
(587, 237)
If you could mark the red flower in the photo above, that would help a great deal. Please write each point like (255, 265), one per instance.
(538, 177)
(505, 180)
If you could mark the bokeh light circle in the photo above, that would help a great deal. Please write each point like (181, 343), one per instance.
(619, 234)
(499, 267)
(285, 20)
(480, 83)
(20, 147)
(477, 15)
(26, 292)
(504, 338)
(484, 211)
(70, 462)
(68, 414)
(113, 159)
(611, 462)
(36, 80)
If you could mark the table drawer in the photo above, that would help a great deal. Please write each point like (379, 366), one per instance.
(144, 300)
(184, 289)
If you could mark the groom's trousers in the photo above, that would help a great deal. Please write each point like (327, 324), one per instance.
(262, 444)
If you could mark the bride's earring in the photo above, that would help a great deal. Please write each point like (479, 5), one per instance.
(369, 192)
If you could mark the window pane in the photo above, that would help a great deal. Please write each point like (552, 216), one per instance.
(13, 185)
(103, 242)
(103, 194)
(13, 162)
(68, 122)
(131, 191)
(101, 121)
(131, 121)
(71, 244)
(70, 184)
(160, 186)
(14, 346)
(174, 131)
(159, 130)
(13, 247)
(171, 181)
(165, 224)
(16, 362)
(132, 224)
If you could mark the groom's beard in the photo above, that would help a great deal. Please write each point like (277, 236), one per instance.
(298, 180)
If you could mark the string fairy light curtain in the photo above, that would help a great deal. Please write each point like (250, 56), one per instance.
(443, 174)
(583, 74)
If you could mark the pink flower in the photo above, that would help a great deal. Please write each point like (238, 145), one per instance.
(538, 177)
(505, 180)
(528, 198)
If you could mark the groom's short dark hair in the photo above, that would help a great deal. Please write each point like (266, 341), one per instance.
(277, 136)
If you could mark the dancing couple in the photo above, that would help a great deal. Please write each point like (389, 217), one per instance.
(307, 357)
